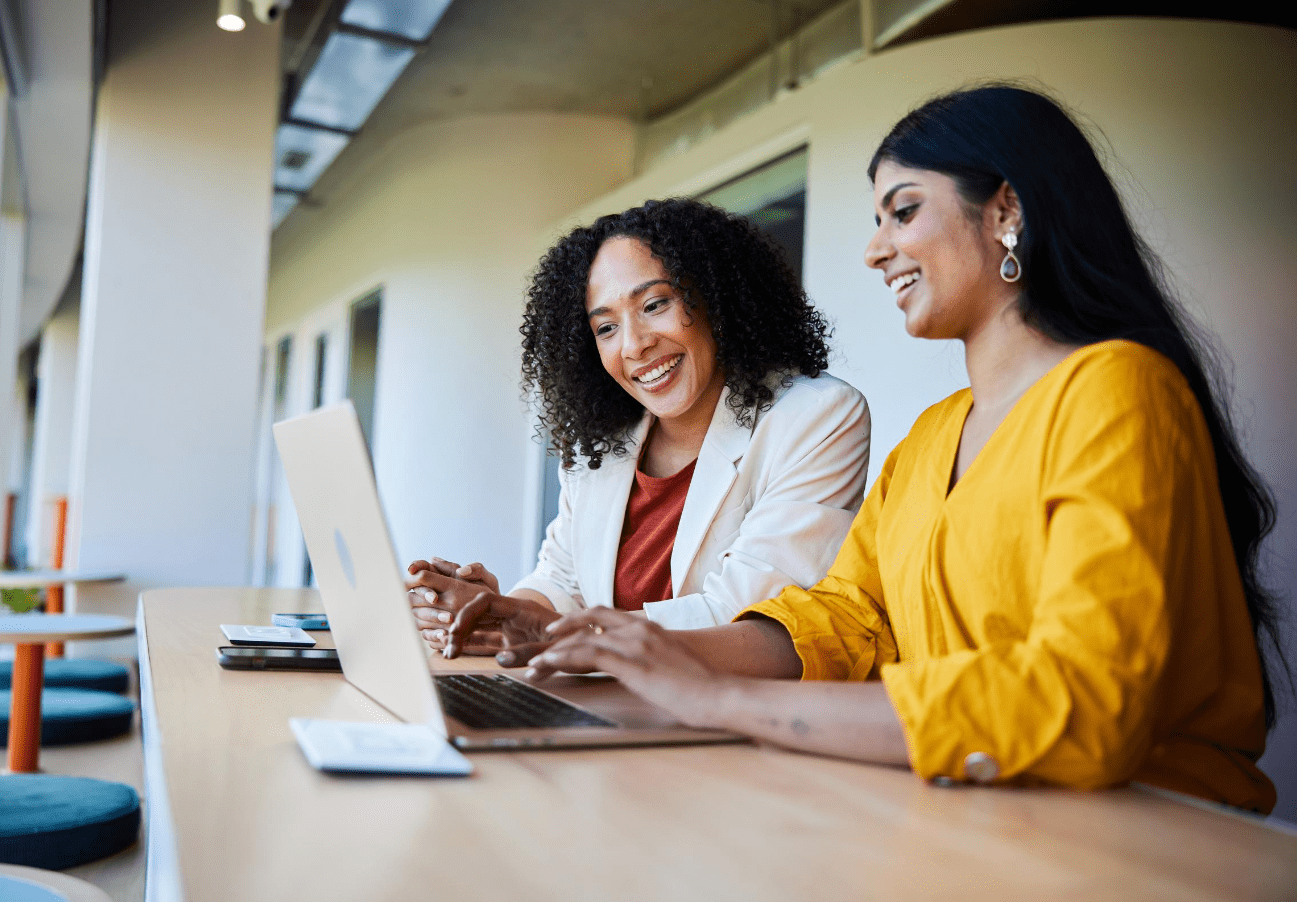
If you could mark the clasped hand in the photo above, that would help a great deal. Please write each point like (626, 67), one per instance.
(459, 610)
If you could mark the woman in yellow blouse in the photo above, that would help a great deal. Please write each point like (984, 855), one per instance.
(1053, 580)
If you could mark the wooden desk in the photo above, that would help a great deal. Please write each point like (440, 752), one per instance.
(30, 632)
(251, 820)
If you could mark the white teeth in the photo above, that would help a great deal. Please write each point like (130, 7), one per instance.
(901, 281)
(658, 372)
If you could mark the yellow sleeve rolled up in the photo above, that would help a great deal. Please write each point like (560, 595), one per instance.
(1071, 608)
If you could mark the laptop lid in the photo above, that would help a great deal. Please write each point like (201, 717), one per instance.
(331, 479)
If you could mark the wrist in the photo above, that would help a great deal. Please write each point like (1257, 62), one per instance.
(716, 703)
(537, 617)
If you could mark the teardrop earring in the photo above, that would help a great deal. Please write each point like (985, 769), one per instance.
(1010, 268)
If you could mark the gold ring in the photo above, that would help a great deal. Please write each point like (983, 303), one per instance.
(598, 630)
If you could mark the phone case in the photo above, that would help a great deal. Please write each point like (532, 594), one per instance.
(301, 621)
(233, 657)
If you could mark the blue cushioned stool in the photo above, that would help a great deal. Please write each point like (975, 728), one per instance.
(75, 673)
(75, 715)
(59, 822)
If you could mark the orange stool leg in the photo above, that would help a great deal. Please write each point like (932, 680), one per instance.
(54, 605)
(25, 709)
(11, 500)
(54, 594)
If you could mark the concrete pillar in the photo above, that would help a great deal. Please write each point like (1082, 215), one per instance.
(56, 369)
(11, 284)
(172, 302)
(13, 235)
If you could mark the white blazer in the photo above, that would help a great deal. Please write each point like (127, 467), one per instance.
(768, 506)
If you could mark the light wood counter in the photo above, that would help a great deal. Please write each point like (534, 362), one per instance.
(251, 820)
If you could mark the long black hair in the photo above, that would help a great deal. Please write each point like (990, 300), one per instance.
(761, 320)
(1087, 276)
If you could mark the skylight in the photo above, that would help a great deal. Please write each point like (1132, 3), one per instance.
(371, 44)
(414, 19)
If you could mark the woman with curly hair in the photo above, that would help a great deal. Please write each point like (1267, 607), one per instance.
(707, 459)
(1054, 577)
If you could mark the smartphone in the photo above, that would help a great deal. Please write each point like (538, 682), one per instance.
(301, 621)
(239, 657)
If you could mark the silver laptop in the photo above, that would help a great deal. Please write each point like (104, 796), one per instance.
(332, 483)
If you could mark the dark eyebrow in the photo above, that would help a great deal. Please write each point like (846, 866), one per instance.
(634, 292)
(643, 287)
(887, 198)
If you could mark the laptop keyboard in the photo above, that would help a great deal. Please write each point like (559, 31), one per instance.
(496, 702)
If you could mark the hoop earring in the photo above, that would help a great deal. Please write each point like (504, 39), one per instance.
(1010, 267)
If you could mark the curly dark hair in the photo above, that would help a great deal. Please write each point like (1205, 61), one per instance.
(761, 319)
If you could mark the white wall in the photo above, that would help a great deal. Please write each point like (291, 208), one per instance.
(1201, 124)
(443, 222)
(172, 303)
(13, 235)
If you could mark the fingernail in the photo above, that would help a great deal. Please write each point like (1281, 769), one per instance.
(437, 634)
(551, 626)
(529, 673)
(506, 658)
(445, 617)
(429, 595)
(445, 652)
(549, 657)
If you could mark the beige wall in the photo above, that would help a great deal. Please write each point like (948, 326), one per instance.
(1200, 121)
(443, 221)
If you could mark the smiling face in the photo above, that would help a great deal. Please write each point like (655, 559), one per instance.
(661, 352)
(941, 260)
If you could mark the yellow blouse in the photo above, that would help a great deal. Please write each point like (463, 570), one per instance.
(1071, 608)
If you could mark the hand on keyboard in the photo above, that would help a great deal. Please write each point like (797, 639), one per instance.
(654, 663)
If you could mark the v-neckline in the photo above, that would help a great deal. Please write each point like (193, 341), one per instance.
(968, 402)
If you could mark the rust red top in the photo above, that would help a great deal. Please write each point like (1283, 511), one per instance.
(648, 535)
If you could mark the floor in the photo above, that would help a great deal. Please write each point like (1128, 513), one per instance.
(120, 760)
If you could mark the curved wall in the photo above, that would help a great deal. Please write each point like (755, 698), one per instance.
(1198, 122)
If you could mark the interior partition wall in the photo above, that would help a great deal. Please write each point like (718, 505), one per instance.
(328, 356)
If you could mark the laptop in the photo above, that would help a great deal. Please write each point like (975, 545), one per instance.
(332, 483)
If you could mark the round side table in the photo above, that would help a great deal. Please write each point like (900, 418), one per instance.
(43, 579)
(28, 883)
(30, 632)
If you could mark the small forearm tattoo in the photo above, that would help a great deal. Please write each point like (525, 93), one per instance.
(800, 727)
